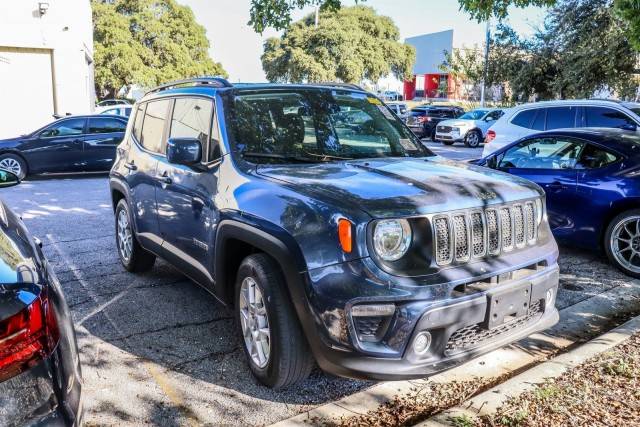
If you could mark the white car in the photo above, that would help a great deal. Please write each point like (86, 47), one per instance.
(469, 128)
(399, 108)
(526, 119)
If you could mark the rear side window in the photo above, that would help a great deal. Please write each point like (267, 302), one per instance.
(561, 117)
(106, 125)
(64, 128)
(153, 125)
(137, 124)
(192, 119)
(606, 117)
(524, 118)
(539, 121)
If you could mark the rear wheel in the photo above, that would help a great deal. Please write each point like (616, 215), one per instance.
(622, 242)
(447, 142)
(133, 257)
(273, 342)
(473, 139)
(15, 164)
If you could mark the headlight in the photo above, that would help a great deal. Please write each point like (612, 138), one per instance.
(391, 238)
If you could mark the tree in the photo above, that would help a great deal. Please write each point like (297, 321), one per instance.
(465, 66)
(350, 44)
(277, 13)
(146, 42)
(629, 10)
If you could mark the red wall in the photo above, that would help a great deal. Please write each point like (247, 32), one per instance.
(409, 89)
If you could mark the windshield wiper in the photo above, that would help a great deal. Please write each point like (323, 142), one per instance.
(327, 157)
(288, 157)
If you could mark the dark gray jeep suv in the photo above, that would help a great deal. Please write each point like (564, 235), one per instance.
(333, 232)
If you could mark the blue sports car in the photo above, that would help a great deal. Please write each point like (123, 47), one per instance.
(592, 181)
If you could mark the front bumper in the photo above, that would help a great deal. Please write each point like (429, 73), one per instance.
(456, 137)
(461, 327)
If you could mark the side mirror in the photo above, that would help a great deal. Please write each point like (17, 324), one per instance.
(629, 126)
(8, 179)
(184, 151)
(491, 162)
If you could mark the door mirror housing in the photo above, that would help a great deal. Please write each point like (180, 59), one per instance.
(491, 162)
(8, 179)
(629, 126)
(184, 151)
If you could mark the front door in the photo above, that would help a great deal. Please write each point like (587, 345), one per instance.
(185, 198)
(100, 142)
(57, 148)
(551, 163)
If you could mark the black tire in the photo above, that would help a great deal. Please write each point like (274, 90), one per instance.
(632, 218)
(448, 142)
(20, 169)
(473, 139)
(289, 361)
(140, 259)
(433, 134)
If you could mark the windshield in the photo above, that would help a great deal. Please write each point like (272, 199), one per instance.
(474, 115)
(301, 125)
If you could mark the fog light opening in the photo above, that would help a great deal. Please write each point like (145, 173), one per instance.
(549, 297)
(422, 342)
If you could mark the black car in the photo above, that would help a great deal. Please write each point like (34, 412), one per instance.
(70, 144)
(330, 228)
(40, 377)
(423, 120)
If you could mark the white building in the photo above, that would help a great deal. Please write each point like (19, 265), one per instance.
(46, 62)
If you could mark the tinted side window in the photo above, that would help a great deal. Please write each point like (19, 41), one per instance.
(595, 157)
(540, 119)
(106, 126)
(494, 115)
(524, 118)
(153, 125)
(64, 128)
(606, 117)
(561, 117)
(192, 119)
(543, 153)
(137, 124)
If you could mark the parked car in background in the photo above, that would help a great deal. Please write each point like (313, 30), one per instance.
(469, 128)
(70, 144)
(592, 181)
(531, 118)
(112, 102)
(40, 376)
(350, 243)
(121, 110)
(423, 120)
(400, 108)
(391, 95)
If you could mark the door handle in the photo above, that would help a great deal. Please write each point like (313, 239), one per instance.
(165, 178)
(131, 166)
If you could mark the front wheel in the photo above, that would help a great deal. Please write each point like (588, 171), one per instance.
(133, 257)
(447, 142)
(622, 242)
(273, 342)
(473, 139)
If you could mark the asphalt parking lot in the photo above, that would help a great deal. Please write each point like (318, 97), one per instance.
(158, 349)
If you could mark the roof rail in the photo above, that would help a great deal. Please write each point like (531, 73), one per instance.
(340, 84)
(617, 101)
(194, 81)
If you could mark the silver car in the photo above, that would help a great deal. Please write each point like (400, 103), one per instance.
(469, 128)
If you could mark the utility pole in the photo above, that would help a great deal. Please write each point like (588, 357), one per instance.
(317, 15)
(486, 62)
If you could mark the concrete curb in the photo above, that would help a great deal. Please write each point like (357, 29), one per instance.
(592, 314)
(490, 401)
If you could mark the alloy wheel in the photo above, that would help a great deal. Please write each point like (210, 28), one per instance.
(125, 237)
(625, 243)
(12, 165)
(254, 322)
(473, 140)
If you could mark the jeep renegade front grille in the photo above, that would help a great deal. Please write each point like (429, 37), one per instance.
(460, 236)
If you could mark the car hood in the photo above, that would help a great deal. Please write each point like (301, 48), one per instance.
(458, 123)
(393, 187)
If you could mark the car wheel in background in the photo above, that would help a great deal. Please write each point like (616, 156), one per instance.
(133, 257)
(273, 342)
(473, 139)
(15, 164)
(448, 142)
(622, 242)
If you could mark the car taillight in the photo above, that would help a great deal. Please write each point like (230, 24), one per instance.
(27, 337)
(491, 135)
(422, 119)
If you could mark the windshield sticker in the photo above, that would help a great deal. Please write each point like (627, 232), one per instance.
(374, 101)
(386, 112)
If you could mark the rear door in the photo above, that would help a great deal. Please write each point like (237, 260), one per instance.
(100, 142)
(57, 148)
(551, 163)
(185, 197)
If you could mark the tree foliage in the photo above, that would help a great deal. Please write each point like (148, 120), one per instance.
(146, 42)
(629, 10)
(349, 44)
(580, 50)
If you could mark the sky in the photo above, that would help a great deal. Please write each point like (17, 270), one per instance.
(238, 47)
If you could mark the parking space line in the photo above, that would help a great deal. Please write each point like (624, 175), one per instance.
(159, 378)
